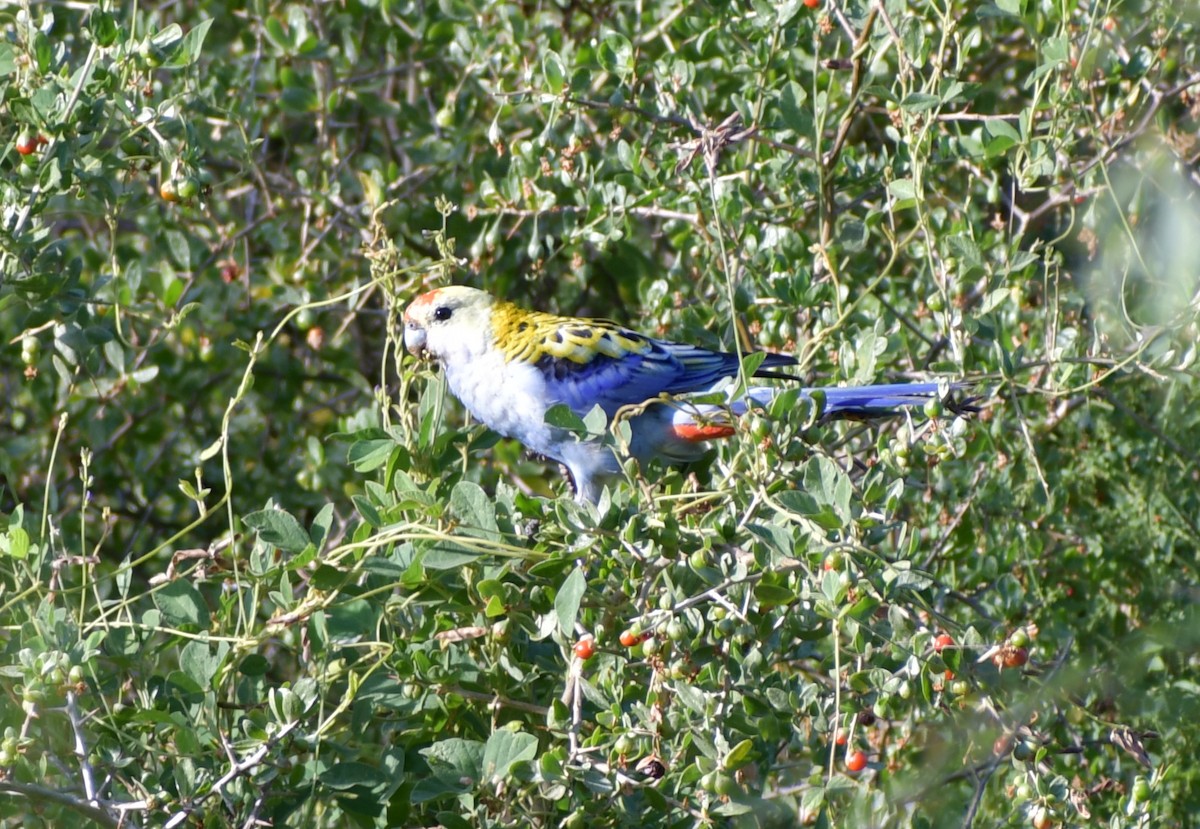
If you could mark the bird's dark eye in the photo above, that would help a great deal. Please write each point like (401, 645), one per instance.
(442, 313)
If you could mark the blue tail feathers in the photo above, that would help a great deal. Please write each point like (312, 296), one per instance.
(868, 401)
(881, 399)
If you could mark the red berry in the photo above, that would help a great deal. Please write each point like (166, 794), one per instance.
(1010, 657)
(629, 638)
(812, 4)
(585, 648)
(1015, 657)
(26, 144)
(856, 761)
(943, 641)
(840, 738)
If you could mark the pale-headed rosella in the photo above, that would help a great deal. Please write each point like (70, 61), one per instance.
(509, 366)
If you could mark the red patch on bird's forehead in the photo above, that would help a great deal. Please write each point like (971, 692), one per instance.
(427, 298)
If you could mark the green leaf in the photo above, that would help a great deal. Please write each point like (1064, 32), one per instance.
(773, 595)
(964, 247)
(321, 526)
(566, 603)
(1002, 135)
(457, 760)
(181, 604)
(1001, 127)
(181, 249)
(920, 102)
(201, 662)
(1056, 50)
(276, 34)
(561, 416)
(798, 501)
(739, 755)
(369, 455)
(505, 748)
(853, 235)
(994, 300)
(902, 189)
(255, 665)
(278, 528)
(595, 421)
(368, 511)
(776, 537)
(16, 543)
(167, 37)
(352, 620)
(448, 554)
(752, 362)
(615, 55)
(190, 46)
(785, 11)
(351, 774)
(43, 52)
(476, 513)
(829, 485)
(298, 100)
(554, 72)
(103, 28)
(796, 115)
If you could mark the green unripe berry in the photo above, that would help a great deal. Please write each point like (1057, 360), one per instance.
(188, 189)
(1141, 790)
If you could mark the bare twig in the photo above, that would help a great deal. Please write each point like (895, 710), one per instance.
(236, 770)
(34, 792)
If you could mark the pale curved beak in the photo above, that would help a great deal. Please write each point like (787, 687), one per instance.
(414, 339)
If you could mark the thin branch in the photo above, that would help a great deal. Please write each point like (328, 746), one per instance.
(34, 793)
(81, 749)
(238, 769)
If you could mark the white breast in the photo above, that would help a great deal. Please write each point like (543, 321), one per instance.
(510, 397)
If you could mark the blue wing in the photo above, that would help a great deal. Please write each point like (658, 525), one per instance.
(642, 372)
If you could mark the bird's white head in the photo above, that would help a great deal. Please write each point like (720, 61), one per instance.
(449, 322)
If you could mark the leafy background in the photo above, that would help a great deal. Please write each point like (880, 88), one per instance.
(257, 566)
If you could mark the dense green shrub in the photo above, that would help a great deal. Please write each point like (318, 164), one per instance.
(255, 565)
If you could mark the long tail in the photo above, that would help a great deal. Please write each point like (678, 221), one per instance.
(707, 421)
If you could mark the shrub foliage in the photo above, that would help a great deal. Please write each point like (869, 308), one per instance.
(255, 565)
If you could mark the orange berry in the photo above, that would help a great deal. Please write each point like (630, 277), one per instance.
(26, 144)
(585, 648)
(1015, 657)
(856, 761)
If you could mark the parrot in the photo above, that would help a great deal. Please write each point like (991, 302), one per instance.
(508, 366)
